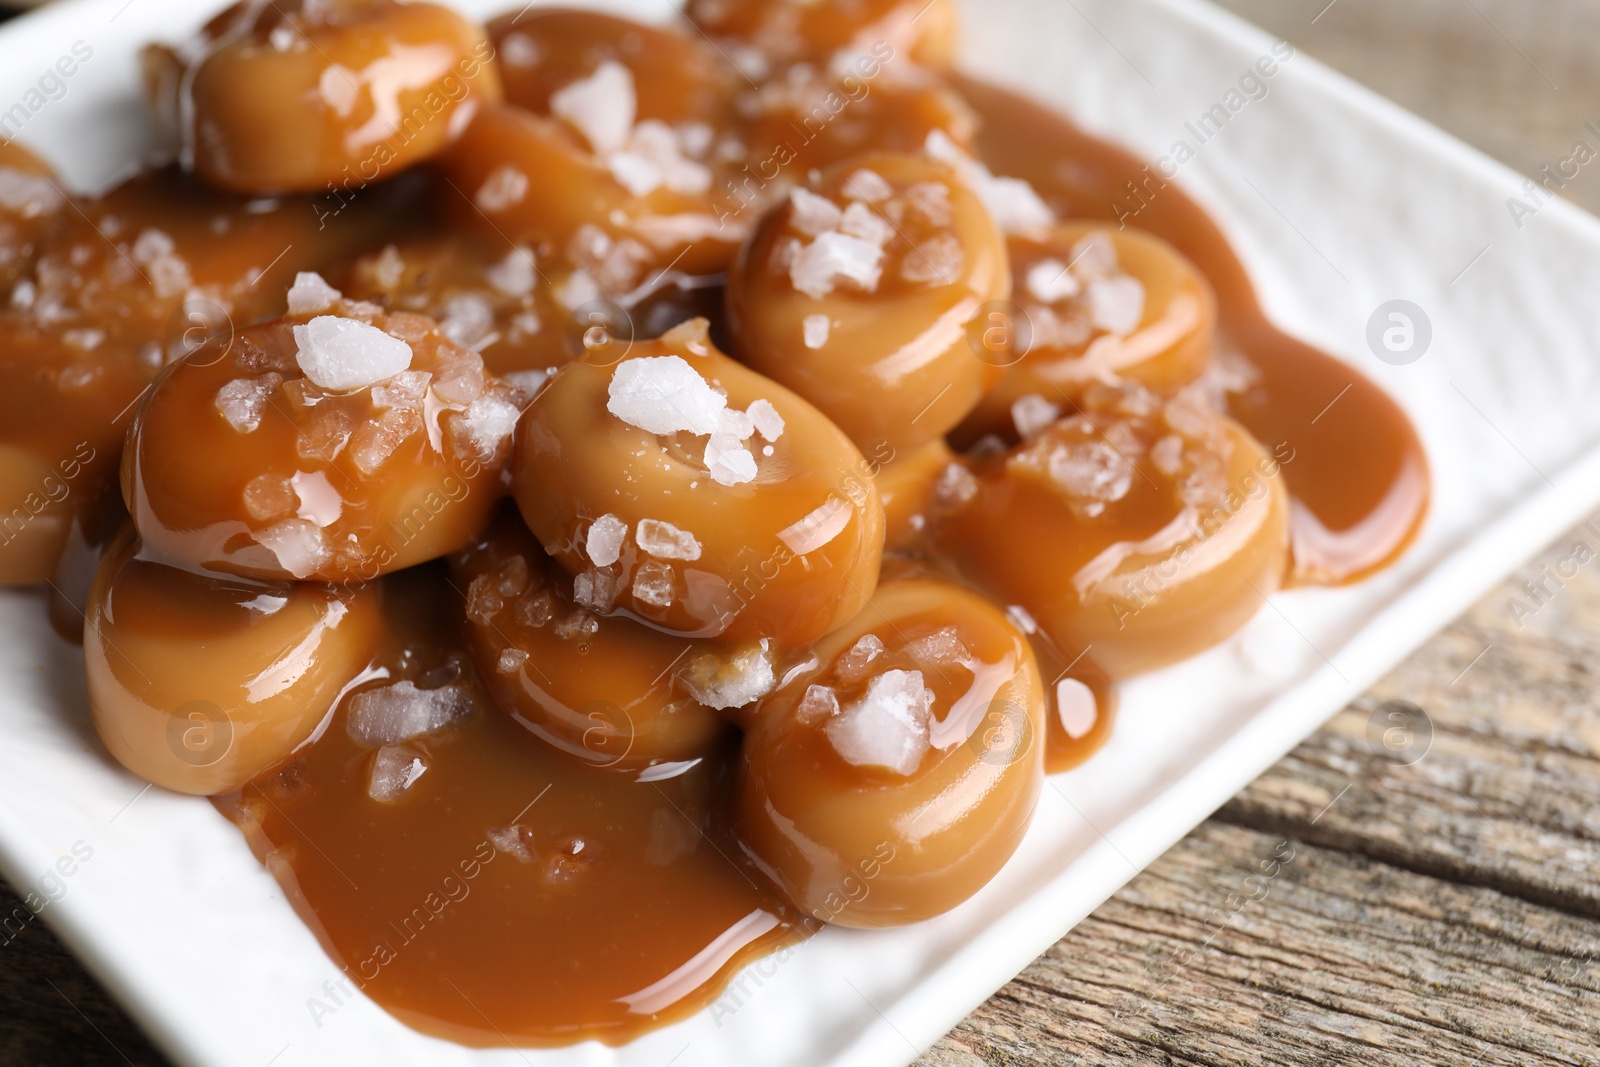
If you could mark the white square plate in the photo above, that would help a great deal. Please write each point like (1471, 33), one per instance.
(1338, 202)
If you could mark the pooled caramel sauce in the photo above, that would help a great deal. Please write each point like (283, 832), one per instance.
(1359, 481)
(512, 894)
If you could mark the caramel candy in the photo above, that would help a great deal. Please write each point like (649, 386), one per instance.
(890, 783)
(1099, 303)
(338, 444)
(925, 29)
(1147, 529)
(857, 294)
(199, 684)
(336, 94)
(689, 491)
(601, 688)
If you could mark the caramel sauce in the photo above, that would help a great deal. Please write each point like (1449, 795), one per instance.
(1360, 478)
(513, 895)
(595, 836)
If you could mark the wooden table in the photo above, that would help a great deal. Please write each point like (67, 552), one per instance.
(1441, 912)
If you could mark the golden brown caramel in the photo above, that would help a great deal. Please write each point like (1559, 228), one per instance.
(857, 293)
(678, 78)
(309, 475)
(147, 272)
(1100, 304)
(199, 685)
(917, 488)
(500, 851)
(704, 531)
(30, 202)
(1360, 480)
(781, 28)
(601, 689)
(494, 300)
(892, 781)
(304, 96)
(1145, 530)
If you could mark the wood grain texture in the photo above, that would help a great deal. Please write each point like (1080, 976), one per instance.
(1436, 911)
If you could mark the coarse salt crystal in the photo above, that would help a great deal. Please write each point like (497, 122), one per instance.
(811, 214)
(1032, 414)
(736, 423)
(853, 664)
(514, 275)
(653, 583)
(818, 705)
(601, 107)
(1092, 471)
(1012, 202)
(1094, 256)
(504, 188)
(487, 422)
(1049, 281)
(888, 726)
(605, 539)
(242, 400)
(731, 682)
(861, 221)
(816, 329)
(297, 545)
(1116, 305)
(311, 293)
(468, 320)
(345, 354)
(28, 195)
(833, 256)
(664, 395)
(394, 770)
(765, 418)
(399, 712)
(596, 590)
(955, 486)
(938, 259)
(728, 461)
(868, 185)
(666, 541)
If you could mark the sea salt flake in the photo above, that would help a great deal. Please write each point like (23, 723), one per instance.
(468, 320)
(861, 221)
(504, 188)
(1032, 414)
(664, 395)
(605, 539)
(653, 584)
(1094, 256)
(736, 423)
(816, 329)
(1167, 454)
(596, 590)
(242, 400)
(297, 544)
(955, 486)
(460, 381)
(939, 259)
(391, 714)
(602, 106)
(833, 256)
(888, 726)
(1050, 282)
(868, 185)
(488, 423)
(515, 274)
(1116, 305)
(28, 195)
(374, 442)
(811, 214)
(1091, 471)
(268, 497)
(511, 661)
(728, 461)
(402, 392)
(310, 293)
(943, 648)
(666, 541)
(513, 841)
(819, 704)
(345, 354)
(768, 423)
(853, 664)
(734, 681)
(394, 770)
